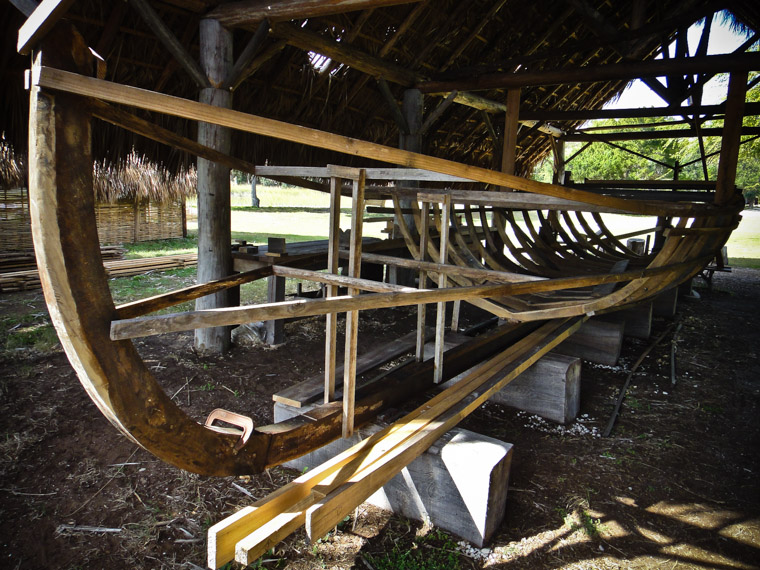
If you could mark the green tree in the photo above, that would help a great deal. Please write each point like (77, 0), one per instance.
(601, 161)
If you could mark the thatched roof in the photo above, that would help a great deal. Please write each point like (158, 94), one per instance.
(137, 178)
(12, 168)
(422, 40)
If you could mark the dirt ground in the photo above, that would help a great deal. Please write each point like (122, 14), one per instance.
(675, 486)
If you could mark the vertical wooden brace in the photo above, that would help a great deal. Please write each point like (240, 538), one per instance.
(440, 323)
(331, 333)
(352, 317)
(424, 228)
(511, 126)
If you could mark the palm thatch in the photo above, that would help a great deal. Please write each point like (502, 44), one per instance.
(137, 178)
(12, 168)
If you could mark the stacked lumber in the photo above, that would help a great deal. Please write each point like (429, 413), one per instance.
(24, 259)
(320, 498)
(30, 279)
(127, 267)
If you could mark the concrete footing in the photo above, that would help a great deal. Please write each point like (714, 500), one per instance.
(459, 484)
(665, 304)
(551, 388)
(637, 319)
(596, 341)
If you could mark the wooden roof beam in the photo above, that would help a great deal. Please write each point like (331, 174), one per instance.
(598, 73)
(478, 28)
(170, 42)
(590, 114)
(39, 22)
(377, 67)
(651, 135)
(251, 12)
(243, 66)
(351, 56)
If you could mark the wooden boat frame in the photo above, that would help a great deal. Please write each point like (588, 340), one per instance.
(524, 276)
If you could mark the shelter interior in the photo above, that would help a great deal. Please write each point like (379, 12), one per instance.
(466, 97)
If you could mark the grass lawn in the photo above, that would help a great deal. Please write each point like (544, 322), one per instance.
(301, 215)
(744, 243)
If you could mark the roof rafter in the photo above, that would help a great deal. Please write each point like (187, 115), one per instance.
(251, 12)
(591, 74)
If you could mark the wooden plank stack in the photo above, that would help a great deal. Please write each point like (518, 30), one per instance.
(29, 279)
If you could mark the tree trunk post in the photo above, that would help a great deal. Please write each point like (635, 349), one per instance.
(411, 109)
(214, 231)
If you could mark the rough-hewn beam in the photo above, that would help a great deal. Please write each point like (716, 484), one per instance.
(610, 72)
(436, 114)
(237, 14)
(108, 91)
(311, 41)
(495, 107)
(131, 122)
(393, 107)
(244, 63)
(590, 114)
(170, 42)
(39, 22)
(651, 135)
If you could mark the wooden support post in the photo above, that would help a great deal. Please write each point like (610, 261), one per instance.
(636, 245)
(214, 232)
(352, 317)
(331, 325)
(255, 202)
(424, 227)
(412, 110)
(275, 329)
(732, 128)
(558, 147)
(455, 315)
(665, 304)
(440, 324)
(511, 126)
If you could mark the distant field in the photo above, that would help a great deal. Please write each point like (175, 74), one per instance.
(298, 214)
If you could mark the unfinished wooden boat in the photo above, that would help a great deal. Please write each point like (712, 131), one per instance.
(550, 267)
(524, 250)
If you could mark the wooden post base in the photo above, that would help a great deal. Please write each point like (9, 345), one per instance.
(459, 484)
(275, 330)
(596, 341)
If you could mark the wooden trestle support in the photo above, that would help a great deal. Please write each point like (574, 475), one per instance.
(538, 254)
